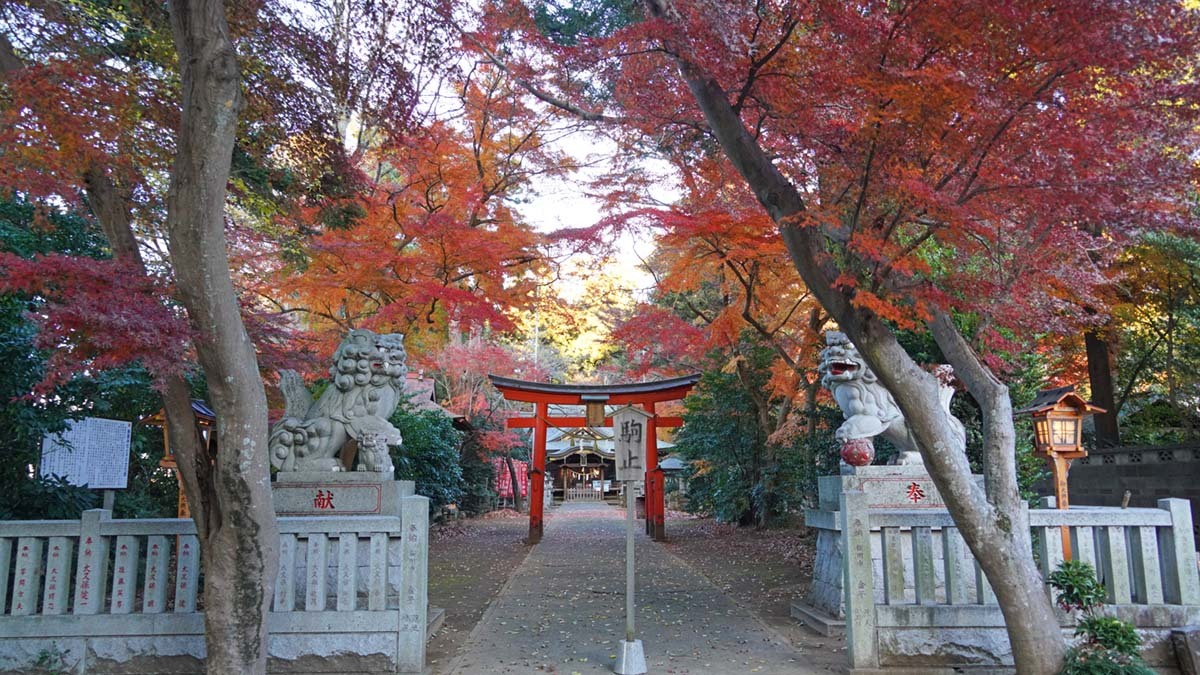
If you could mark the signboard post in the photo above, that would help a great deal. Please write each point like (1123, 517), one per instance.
(629, 429)
(92, 452)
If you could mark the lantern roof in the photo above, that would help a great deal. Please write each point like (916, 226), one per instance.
(1051, 399)
(204, 415)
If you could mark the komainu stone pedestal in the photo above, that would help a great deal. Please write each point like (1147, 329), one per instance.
(899, 488)
(339, 493)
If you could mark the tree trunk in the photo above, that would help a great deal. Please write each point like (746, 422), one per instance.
(229, 494)
(995, 525)
(1099, 362)
(237, 529)
(518, 503)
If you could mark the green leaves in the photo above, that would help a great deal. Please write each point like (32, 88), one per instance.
(741, 474)
(1077, 587)
(1112, 633)
(569, 23)
(1110, 645)
(429, 454)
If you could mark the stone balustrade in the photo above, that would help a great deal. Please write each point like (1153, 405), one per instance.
(108, 595)
(916, 598)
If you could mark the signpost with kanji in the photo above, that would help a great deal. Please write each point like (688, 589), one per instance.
(629, 432)
(629, 426)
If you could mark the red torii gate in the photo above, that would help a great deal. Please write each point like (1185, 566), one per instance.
(542, 394)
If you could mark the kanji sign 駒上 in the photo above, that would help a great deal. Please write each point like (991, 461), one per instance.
(629, 436)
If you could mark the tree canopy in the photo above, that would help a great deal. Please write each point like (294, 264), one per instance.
(961, 181)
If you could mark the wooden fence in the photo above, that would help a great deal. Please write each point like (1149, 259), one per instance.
(582, 494)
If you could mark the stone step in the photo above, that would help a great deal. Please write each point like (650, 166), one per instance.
(437, 617)
(823, 623)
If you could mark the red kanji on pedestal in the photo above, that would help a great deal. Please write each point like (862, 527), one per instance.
(323, 500)
(915, 493)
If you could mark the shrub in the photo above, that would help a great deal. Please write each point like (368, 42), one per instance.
(1077, 586)
(429, 454)
(1110, 645)
(1092, 659)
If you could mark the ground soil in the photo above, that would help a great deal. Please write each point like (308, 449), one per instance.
(469, 561)
(761, 570)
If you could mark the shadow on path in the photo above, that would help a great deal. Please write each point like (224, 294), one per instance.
(563, 610)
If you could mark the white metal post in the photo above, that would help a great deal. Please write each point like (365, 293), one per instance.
(629, 583)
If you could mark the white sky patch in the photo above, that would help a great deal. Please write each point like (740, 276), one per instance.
(564, 203)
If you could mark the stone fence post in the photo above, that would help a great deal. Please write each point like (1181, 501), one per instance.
(91, 569)
(1181, 580)
(858, 582)
(414, 584)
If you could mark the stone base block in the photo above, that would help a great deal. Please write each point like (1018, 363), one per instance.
(824, 623)
(924, 671)
(1186, 640)
(298, 644)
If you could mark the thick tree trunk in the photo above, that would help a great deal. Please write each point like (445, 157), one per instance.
(230, 493)
(1099, 362)
(994, 524)
(238, 533)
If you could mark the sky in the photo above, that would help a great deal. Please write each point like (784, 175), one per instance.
(563, 203)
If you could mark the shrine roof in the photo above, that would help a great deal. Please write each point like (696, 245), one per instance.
(673, 464)
(612, 394)
(420, 392)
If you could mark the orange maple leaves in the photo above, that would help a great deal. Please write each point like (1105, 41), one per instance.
(433, 240)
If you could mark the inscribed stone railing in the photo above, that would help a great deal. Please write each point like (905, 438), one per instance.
(109, 595)
(915, 596)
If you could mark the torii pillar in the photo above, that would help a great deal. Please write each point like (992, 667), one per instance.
(656, 513)
(543, 394)
(537, 473)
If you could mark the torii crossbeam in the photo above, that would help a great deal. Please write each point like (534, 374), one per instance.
(645, 394)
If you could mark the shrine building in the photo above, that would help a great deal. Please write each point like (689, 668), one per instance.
(581, 463)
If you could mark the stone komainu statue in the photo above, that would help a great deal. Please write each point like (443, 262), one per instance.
(368, 382)
(869, 408)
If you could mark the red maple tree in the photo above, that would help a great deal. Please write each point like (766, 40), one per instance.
(930, 165)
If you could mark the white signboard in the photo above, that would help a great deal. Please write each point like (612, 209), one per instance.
(92, 452)
(629, 433)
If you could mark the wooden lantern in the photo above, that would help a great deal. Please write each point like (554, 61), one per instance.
(1058, 416)
(205, 419)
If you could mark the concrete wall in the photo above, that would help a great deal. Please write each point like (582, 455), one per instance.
(1149, 473)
